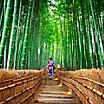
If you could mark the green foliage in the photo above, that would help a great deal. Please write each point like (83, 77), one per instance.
(70, 31)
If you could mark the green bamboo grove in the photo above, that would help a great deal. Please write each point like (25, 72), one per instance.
(69, 31)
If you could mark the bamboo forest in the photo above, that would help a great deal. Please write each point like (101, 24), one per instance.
(51, 51)
(69, 31)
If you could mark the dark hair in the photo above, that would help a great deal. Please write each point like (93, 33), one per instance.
(50, 58)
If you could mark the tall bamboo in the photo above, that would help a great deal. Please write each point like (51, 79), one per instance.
(17, 37)
(4, 33)
(88, 58)
(23, 65)
(13, 35)
(99, 54)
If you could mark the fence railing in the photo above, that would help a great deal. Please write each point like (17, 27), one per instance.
(87, 90)
(18, 91)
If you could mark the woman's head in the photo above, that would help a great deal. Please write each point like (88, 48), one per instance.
(50, 58)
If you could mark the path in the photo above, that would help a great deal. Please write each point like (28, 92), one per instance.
(53, 92)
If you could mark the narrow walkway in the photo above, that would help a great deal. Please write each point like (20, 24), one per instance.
(53, 92)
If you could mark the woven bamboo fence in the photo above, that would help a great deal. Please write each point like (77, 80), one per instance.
(88, 85)
(19, 87)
